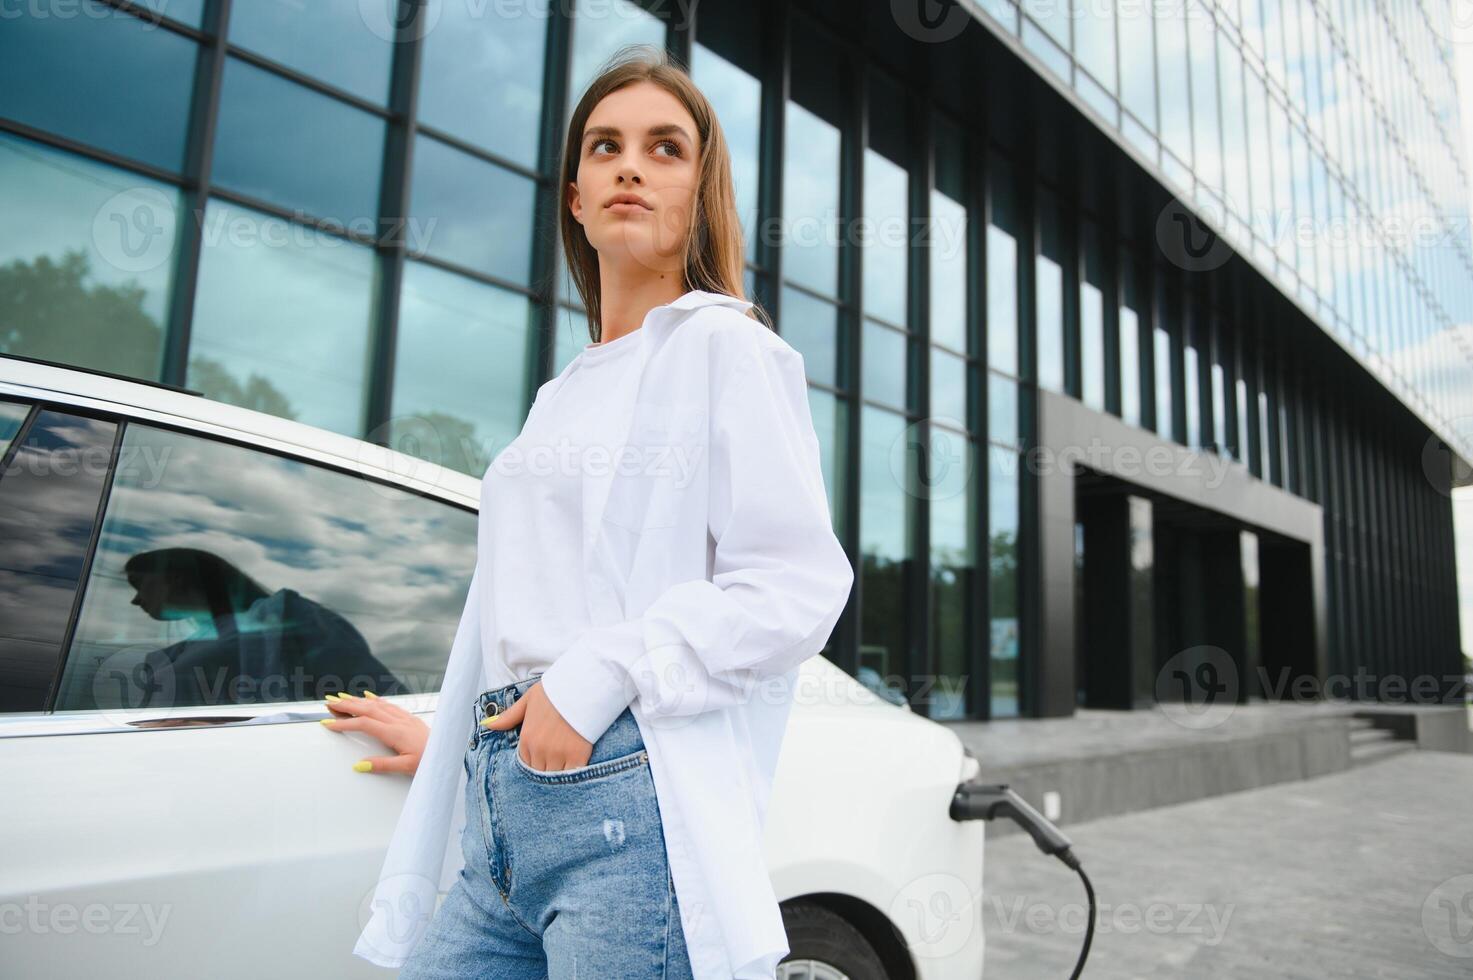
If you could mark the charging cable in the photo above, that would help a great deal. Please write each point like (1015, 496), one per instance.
(977, 801)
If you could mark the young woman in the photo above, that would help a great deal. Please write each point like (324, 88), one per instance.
(655, 559)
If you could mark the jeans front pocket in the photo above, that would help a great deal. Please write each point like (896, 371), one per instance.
(582, 774)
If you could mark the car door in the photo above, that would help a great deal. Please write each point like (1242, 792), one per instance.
(173, 607)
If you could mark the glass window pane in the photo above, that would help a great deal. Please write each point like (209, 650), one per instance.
(1002, 536)
(602, 27)
(811, 200)
(86, 260)
(885, 364)
(297, 149)
(884, 245)
(261, 590)
(886, 545)
(953, 563)
(48, 506)
(949, 387)
(298, 349)
(1130, 343)
(1094, 39)
(1138, 63)
(1002, 270)
(830, 418)
(948, 256)
(1002, 409)
(333, 42)
(471, 212)
(1206, 139)
(481, 78)
(737, 99)
(459, 368)
(1192, 394)
(1235, 161)
(12, 417)
(1049, 288)
(1171, 62)
(1092, 320)
(1163, 382)
(811, 326)
(62, 74)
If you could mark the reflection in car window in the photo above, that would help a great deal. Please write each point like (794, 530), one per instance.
(49, 493)
(225, 575)
(12, 416)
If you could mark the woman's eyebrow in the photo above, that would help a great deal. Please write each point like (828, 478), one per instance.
(667, 129)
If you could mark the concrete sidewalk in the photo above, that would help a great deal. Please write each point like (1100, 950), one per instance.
(1362, 873)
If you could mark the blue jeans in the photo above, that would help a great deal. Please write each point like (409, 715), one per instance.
(565, 872)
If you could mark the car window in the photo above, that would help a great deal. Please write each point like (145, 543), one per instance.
(12, 416)
(49, 493)
(227, 575)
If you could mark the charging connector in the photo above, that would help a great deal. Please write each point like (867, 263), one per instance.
(988, 801)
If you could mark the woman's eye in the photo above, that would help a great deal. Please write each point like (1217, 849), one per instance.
(674, 147)
(601, 143)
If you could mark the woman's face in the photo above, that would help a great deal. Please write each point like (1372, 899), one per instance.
(641, 142)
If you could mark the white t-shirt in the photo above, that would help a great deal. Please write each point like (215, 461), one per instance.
(536, 505)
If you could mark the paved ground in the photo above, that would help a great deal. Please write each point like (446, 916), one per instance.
(1363, 873)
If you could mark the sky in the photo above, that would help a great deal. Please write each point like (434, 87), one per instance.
(1463, 499)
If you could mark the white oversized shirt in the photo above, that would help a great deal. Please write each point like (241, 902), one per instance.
(534, 494)
(710, 572)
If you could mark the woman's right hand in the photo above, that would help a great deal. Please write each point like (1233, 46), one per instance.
(400, 730)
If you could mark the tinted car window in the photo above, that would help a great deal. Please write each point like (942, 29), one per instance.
(226, 575)
(12, 415)
(49, 493)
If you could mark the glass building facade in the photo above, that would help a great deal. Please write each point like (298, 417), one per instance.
(1237, 229)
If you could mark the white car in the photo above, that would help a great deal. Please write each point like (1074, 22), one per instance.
(181, 581)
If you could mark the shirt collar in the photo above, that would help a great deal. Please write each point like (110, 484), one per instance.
(699, 297)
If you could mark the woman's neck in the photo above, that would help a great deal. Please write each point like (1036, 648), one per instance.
(624, 304)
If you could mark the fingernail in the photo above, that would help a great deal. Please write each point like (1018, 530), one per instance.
(332, 697)
(326, 721)
(364, 766)
(369, 694)
(345, 694)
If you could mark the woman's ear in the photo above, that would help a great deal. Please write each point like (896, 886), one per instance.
(575, 202)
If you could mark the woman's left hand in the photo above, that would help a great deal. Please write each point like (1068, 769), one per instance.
(547, 742)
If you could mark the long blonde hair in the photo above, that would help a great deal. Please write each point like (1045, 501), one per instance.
(714, 250)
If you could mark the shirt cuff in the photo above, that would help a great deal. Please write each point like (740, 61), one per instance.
(584, 689)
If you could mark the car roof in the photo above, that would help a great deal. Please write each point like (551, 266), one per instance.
(27, 378)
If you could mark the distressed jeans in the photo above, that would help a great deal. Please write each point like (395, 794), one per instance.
(565, 872)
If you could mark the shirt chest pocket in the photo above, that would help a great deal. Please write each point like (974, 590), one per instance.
(665, 445)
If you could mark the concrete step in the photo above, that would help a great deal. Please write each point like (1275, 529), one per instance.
(1370, 736)
(1375, 752)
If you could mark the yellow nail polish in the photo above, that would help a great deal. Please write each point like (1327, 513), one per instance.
(332, 697)
(345, 694)
(326, 721)
(369, 694)
(364, 766)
